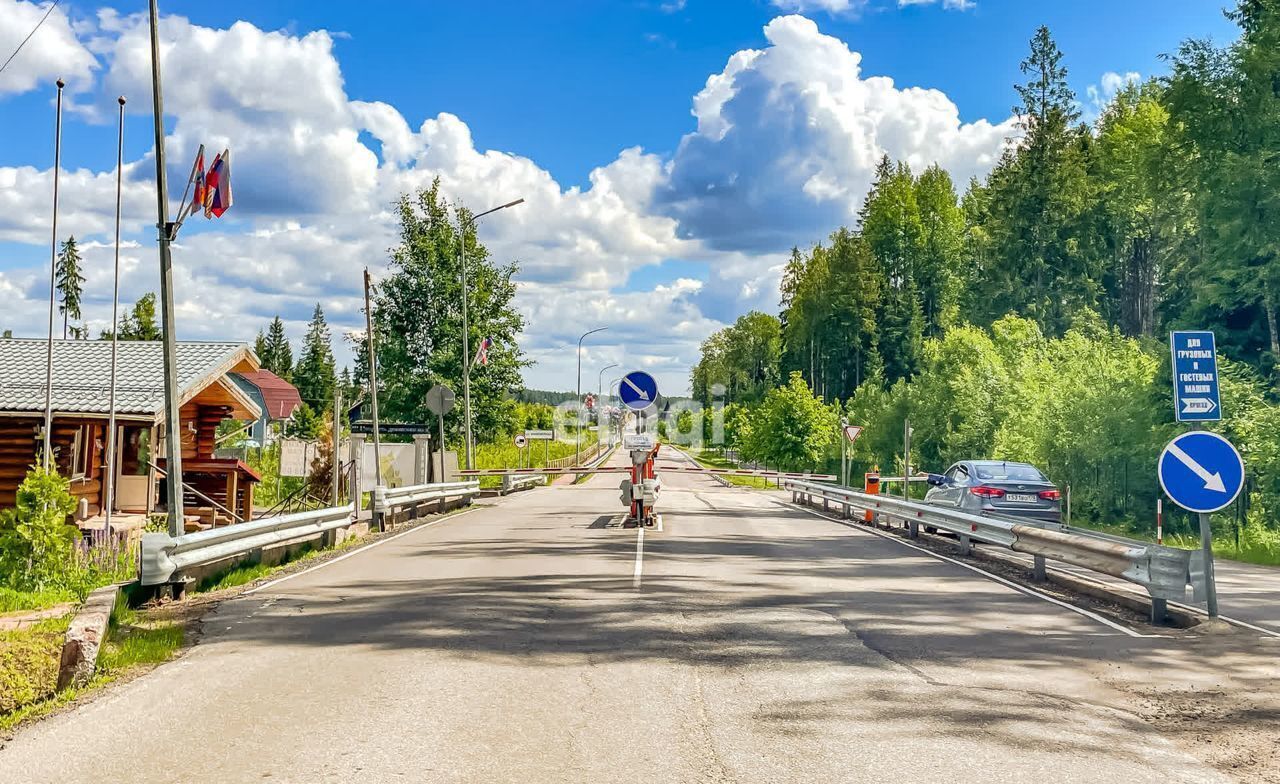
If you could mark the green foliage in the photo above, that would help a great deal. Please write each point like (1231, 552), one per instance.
(743, 358)
(35, 541)
(418, 320)
(69, 282)
(140, 322)
(792, 428)
(29, 663)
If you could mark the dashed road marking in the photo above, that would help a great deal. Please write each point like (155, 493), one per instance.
(639, 570)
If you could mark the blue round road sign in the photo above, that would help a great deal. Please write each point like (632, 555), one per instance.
(1201, 471)
(638, 390)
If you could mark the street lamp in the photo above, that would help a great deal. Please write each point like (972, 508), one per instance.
(600, 380)
(577, 452)
(466, 327)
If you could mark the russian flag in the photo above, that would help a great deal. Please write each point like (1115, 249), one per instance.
(218, 186)
(482, 353)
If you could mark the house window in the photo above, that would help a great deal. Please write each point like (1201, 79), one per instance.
(81, 445)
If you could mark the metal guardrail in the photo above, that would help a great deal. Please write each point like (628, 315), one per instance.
(165, 558)
(514, 482)
(1165, 572)
(389, 499)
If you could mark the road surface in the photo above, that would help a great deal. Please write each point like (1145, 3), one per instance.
(532, 639)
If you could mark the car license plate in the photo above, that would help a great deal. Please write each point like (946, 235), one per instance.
(1022, 498)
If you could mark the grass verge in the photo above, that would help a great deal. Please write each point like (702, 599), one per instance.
(29, 663)
(15, 601)
(135, 641)
(709, 459)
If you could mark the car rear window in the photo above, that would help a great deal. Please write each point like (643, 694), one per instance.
(1017, 472)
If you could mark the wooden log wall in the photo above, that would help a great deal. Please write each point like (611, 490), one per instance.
(19, 451)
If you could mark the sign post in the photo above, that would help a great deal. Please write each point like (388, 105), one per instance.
(1195, 377)
(1202, 472)
(440, 399)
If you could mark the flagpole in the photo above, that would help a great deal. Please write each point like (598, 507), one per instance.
(47, 451)
(110, 471)
(173, 428)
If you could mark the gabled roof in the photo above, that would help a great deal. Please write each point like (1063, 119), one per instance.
(280, 398)
(82, 374)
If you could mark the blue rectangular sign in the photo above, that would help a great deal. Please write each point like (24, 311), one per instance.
(1195, 377)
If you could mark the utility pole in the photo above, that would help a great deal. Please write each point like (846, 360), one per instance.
(109, 474)
(906, 459)
(46, 456)
(336, 457)
(172, 427)
(373, 385)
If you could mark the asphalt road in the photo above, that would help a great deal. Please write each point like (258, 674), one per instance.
(534, 640)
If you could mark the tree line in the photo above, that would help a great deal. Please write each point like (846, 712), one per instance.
(972, 312)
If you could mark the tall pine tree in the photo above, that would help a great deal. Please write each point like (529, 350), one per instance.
(273, 350)
(315, 373)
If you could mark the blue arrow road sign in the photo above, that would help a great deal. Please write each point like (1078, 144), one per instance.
(638, 390)
(1195, 377)
(1201, 472)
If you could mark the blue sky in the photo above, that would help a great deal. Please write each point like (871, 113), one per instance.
(555, 90)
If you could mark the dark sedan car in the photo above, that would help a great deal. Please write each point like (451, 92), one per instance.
(996, 487)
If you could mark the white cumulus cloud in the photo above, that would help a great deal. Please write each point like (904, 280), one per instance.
(788, 138)
(53, 51)
(785, 142)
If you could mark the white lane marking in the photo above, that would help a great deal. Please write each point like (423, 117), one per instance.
(997, 578)
(635, 576)
(1193, 608)
(359, 550)
(1233, 621)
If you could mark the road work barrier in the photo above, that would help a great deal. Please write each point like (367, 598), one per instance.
(513, 482)
(391, 502)
(168, 559)
(1164, 572)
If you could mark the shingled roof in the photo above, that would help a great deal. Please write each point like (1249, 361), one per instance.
(279, 397)
(82, 373)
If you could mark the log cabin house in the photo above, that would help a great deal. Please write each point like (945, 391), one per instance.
(216, 491)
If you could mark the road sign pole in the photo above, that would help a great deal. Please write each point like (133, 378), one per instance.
(1206, 548)
(1211, 587)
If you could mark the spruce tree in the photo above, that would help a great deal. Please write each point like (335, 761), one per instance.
(314, 375)
(275, 353)
(69, 283)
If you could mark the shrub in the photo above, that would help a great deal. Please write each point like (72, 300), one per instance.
(36, 544)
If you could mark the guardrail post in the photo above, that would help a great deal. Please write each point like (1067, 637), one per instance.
(1038, 573)
(826, 505)
(379, 503)
(1159, 611)
(844, 513)
(913, 529)
(966, 546)
(357, 489)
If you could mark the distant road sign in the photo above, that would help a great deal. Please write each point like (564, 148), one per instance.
(852, 432)
(540, 435)
(638, 390)
(1201, 471)
(440, 399)
(391, 428)
(521, 441)
(1195, 377)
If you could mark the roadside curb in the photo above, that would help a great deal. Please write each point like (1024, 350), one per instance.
(85, 636)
